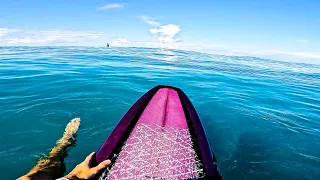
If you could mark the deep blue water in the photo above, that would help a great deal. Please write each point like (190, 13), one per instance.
(262, 117)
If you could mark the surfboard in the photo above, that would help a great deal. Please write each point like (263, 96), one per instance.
(160, 137)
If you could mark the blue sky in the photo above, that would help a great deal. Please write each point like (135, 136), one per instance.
(279, 29)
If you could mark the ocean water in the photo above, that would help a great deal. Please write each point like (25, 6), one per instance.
(262, 117)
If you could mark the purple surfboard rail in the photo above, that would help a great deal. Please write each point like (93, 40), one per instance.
(140, 110)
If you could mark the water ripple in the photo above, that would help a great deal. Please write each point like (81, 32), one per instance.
(262, 117)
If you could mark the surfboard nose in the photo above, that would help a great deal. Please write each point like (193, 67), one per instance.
(164, 110)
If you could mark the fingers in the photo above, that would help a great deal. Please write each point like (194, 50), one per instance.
(101, 166)
(88, 158)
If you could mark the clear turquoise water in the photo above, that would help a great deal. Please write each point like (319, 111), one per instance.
(262, 117)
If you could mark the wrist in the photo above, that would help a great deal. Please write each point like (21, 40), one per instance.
(70, 176)
(24, 178)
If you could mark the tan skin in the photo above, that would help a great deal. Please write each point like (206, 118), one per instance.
(83, 170)
(52, 166)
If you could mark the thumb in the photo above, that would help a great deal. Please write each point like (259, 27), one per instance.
(101, 166)
(88, 158)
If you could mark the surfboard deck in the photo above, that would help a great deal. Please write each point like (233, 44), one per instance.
(160, 137)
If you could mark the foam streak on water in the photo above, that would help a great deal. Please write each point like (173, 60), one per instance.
(262, 117)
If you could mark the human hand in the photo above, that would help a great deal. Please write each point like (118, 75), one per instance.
(83, 170)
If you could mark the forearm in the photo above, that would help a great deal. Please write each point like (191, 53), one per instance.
(24, 178)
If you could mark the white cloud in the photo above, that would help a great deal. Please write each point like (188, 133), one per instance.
(169, 30)
(168, 39)
(122, 40)
(111, 6)
(150, 21)
(48, 37)
(166, 33)
(153, 23)
(5, 31)
(119, 42)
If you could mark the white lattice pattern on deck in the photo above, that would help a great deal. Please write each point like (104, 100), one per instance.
(154, 152)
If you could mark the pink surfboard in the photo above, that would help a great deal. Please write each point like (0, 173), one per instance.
(160, 137)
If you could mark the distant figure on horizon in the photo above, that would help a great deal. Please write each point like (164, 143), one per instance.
(107, 44)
